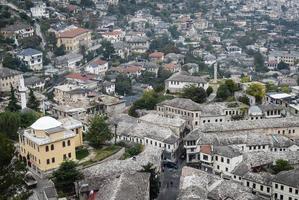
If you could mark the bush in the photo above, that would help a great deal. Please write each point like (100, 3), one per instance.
(133, 151)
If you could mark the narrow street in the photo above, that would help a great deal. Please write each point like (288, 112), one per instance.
(170, 182)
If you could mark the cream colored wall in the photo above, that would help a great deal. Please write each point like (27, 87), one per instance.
(7, 81)
(39, 155)
(79, 137)
(72, 44)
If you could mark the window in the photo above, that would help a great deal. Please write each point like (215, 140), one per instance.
(290, 198)
(281, 187)
(276, 185)
(268, 190)
(290, 190)
(53, 160)
(47, 148)
(70, 155)
(64, 156)
(216, 158)
(48, 161)
(217, 166)
(227, 161)
(226, 169)
(235, 177)
(205, 157)
(222, 159)
(52, 147)
(69, 143)
(168, 146)
(262, 188)
(155, 143)
(253, 185)
(296, 191)
(281, 197)
(248, 183)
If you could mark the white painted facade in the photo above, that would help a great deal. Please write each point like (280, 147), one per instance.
(226, 165)
(284, 192)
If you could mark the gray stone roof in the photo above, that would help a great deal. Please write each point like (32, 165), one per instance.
(134, 127)
(182, 103)
(227, 151)
(126, 186)
(32, 80)
(269, 107)
(15, 27)
(6, 72)
(290, 178)
(261, 177)
(184, 76)
(29, 52)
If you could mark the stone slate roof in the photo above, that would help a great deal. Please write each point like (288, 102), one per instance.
(262, 177)
(186, 104)
(6, 72)
(290, 178)
(29, 52)
(227, 151)
(269, 107)
(184, 76)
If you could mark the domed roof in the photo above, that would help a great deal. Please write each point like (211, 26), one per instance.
(45, 123)
(254, 110)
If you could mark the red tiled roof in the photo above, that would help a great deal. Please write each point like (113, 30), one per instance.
(112, 33)
(78, 76)
(99, 62)
(72, 33)
(206, 149)
(156, 55)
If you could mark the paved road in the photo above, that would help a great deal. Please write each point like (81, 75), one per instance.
(170, 182)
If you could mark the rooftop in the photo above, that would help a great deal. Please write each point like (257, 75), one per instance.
(183, 76)
(227, 151)
(29, 52)
(45, 123)
(6, 72)
(163, 121)
(72, 33)
(290, 178)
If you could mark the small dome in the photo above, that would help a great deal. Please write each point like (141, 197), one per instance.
(45, 123)
(254, 110)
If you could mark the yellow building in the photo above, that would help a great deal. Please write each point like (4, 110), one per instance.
(73, 38)
(48, 142)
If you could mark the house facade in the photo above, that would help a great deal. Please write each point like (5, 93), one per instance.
(32, 57)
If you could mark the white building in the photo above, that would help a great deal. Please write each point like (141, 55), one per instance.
(285, 185)
(39, 11)
(289, 57)
(32, 57)
(69, 61)
(98, 67)
(178, 81)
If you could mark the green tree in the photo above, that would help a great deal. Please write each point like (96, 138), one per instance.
(281, 165)
(223, 92)
(257, 90)
(66, 175)
(123, 85)
(209, 90)
(12, 172)
(32, 103)
(87, 3)
(59, 51)
(30, 42)
(270, 87)
(174, 32)
(197, 94)
(259, 62)
(154, 180)
(9, 124)
(28, 118)
(106, 50)
(244, 99)
(12, 105)
(282, 65)
(12, 62)
(231, 85)
(98, 132)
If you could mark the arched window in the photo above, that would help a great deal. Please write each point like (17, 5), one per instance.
(52, 146)
(47, 148)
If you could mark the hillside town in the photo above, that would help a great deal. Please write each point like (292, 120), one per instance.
(149, 100)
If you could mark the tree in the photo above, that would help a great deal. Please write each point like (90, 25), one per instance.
(32, 103)
(98, 131)
(231, 85)
(174, 32)
(106, 50)
(244, 99)
(123, 85)
(154, 180)
(257, 90)
(197, 94)
(31, 42)
(87, 3)
(28, 118)
(9, 124)
(209, 90)
(12, 62)
(259, 62)
(12, 105)
(12, 172)
(223, 92)
(66, 175)
(282, 65)
(281, 165)
(59, 51)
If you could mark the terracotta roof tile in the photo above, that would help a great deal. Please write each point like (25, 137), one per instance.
(72, 33)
